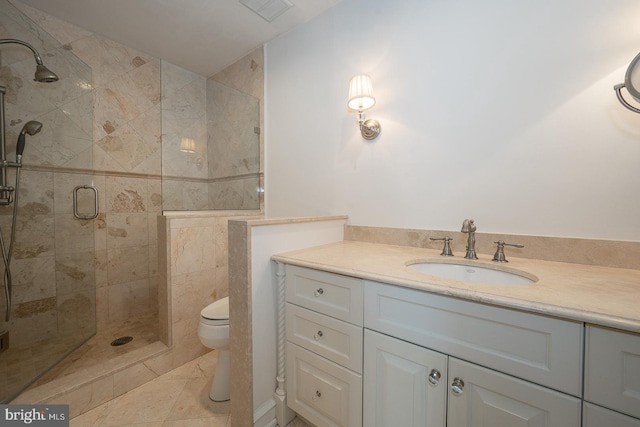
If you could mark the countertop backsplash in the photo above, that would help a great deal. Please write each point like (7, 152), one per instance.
(606, 253)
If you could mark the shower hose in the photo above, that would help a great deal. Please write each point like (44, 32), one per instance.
(6, 255)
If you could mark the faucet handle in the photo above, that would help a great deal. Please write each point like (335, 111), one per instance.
(446, 250)
(499, 255)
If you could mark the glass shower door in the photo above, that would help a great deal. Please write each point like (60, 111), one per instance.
(53, 293)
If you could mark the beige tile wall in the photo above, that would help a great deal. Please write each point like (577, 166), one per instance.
(609, 253)
(123, 87)
(195, 266)
(218, 114)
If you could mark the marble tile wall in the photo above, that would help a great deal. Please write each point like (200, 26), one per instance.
(222, 115)
(184, 115)
(101, 127)
(196, 268)
(608, 253)
(52, 276)
(126, 160)
(237, 188)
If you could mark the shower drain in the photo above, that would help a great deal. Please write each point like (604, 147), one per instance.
(121, 341)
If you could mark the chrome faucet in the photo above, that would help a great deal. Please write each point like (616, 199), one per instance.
(469, 227)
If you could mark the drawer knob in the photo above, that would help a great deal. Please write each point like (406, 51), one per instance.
(434, 376)
(318, 335)
(457, 386)
(318, 292)
(316, 396)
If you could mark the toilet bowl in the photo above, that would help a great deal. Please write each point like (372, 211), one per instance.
(213, 332)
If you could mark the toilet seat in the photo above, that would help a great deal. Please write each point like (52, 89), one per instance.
(216, 313)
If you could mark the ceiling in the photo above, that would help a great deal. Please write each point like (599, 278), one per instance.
(203, 36)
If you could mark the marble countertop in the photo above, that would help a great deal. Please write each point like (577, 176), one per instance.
(604, 296)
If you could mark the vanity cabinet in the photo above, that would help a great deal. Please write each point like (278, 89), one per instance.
(324, 346)
(409, 385)
(455, 337)
(368, 353)
(612, 375)
(543, 350)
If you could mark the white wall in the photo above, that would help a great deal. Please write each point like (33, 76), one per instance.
(266, 240)
(502, 111)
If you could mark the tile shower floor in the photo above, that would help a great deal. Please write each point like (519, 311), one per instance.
(91, 359)
(98, 349)
(175, 399)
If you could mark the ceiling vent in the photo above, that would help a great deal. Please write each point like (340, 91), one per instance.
(268, 9)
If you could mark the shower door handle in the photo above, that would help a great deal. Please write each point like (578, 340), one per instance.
(76, 214)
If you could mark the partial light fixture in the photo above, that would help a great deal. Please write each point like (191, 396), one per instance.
(188, 145)
(361, 99)
(632, 83)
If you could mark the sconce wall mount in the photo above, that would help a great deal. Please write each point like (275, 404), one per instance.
(632, 83)
(361, 99)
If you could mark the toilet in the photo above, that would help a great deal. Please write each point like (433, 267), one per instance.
(213, 332)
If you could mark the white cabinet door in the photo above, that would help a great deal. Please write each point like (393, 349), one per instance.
(397, 386)
(543, 350)
(486, 398)
(612, 370)
(596, 416)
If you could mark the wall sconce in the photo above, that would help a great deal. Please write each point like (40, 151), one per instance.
(361, 99)
(188, 145)
(632, 83)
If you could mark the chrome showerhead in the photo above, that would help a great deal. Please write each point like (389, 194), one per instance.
(31, 127)
(44, 75)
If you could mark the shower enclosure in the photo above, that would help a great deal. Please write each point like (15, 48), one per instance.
(147, 136)
(52, 277)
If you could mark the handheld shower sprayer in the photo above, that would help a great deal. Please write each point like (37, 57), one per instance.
(31, 127)
(44, 75)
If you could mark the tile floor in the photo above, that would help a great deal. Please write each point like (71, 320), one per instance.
(175, 399)
(21, 365)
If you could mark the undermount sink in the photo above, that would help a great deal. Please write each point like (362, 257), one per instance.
(472, 273)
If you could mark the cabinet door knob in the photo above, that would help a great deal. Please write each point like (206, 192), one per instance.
(434, 376)
(457, 386)
(317, 395)
(317, 335)
(318, 292)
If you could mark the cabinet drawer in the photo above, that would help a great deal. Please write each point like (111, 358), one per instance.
(334, 339)
(596, 416)
(327, 293)
(490, 398)
(612, 369)
(540, 349)
(321, 391)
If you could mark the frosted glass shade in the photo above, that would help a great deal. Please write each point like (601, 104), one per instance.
(360, 93)
(188, 145)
